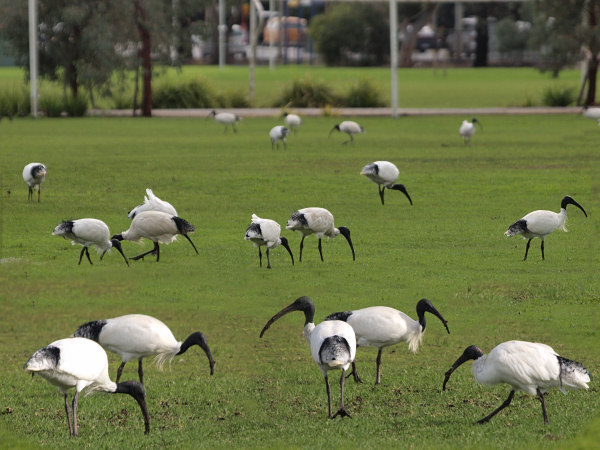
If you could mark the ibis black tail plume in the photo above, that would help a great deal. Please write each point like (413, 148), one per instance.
(303, 304)
(198, 338)
(472, 352)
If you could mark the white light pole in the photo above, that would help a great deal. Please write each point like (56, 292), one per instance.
(222, 34)
(394, 55)
(33, 55)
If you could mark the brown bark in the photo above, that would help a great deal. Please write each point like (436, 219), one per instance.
(145, 55)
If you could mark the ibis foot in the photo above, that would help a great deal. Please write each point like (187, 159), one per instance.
(342, 413)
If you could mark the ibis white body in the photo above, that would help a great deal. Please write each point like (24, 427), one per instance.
(350, 128)
(278, 134)
(34, 175)
(136, 336)
(81, 364)
(152, 203)
(592, 113)
(226, 118)
(266, 232)
(88, 233)
(384, 174)
(292, 121)
(467, 130)
(317, 221)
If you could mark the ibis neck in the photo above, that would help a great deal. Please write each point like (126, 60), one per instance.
(308, 329)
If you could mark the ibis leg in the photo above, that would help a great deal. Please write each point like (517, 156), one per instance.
(259, 256)
(527, 249)
(378, 362)
(87, 253)
(354, 373)
(234, 128)
(543, 250)
(30, 194)
(301, 247)
(328, 395)
(342, 411)
(154, 251)
(120, 371)
(81, 255)
(381, 191)
(320, 250)
(141, 371)
(39, 191)
(268, 259)
(543, 402)
(500, 408)
(75, 399)
(68, 412)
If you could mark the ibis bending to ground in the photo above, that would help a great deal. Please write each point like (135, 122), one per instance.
(89, 232)
(384, 174)
(277, 134)
(34, 175)
(293, 121)
(349, 127)
(266, 232)
(317, 221)
(467, 130)
(81, 363)
(158, 227)
(226, 119)
(135, 336)
(380, 327)
(592, 113)
(152, 203)
(529, 367)
(332, 345)
(540, 223)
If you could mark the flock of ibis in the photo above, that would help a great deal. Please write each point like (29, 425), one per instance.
(80, 361)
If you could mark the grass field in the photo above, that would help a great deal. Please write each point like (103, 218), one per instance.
(449, 247)
(418, 88)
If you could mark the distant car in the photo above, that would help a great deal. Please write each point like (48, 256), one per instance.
(294, 29)
(426, 39)
(237, 43)
(468, 35)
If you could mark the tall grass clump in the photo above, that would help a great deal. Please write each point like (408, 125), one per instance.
(558, 96)
(76, 106)
(195, 93)
(307, 94)
(363, 94)
(15, 102)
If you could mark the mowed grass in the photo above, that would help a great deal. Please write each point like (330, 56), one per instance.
(449, 247)
(417, 87)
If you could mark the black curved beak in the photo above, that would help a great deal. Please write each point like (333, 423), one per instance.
(471, 352)
(137, 391)
(332, 130)
(571, 201)
(188, 238)
(475, 121)
(116, 244)
(283, 312)
(204, 346)
(303, 303)
(346, 233)
(286, 244)
(401, 188)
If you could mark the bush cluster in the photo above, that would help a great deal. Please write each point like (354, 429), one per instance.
(195, 93)
(558, 96)
(55, 104)
(15, 102)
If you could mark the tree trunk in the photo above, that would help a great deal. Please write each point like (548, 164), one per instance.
(592, 71)
(410, 41)
(481, 51)
(140, 17)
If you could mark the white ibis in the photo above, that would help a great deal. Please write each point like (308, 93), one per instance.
(317, 221)
(266, 232)
(592, 113)
(467, 130)
(81, 364)
(384, 174)
(135, 336)
(526, 366)
(332, 345)
(349, 127)
(540, 223)
(278, 133)
(293, 121)
(381, 326)
(158, 227)
(89, 232)
(226, 119)
(34, 175)
(152, 203)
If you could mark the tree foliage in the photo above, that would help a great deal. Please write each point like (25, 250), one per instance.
(351, 34)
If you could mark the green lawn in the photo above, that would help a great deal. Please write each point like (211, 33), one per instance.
(418, 88)
(449, 247)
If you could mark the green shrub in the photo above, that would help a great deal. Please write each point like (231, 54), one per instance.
(307, 94)
(76, 106)
(558, 96)
(363, 94)
(123, 100)
(236, 99)
(51, 103)
(15, 102)
(187, 94)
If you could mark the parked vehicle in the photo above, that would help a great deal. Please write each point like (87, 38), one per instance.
(294, 29)
(468, 35)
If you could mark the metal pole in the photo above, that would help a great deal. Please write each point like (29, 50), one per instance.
(33, 55)
(252, 58)
(271, 43)
(222, 34)
(394, 56)
(458, 44)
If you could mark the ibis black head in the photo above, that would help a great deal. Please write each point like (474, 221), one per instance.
(346, 233)
(198, 339)
(401, 188)
(303, 304)
(472, 352)
(475, 121)
(136, 390)
(424, 306)
(213, 113)
(118, 237)
(286, 244)
(116, 244)
(567, 200)
(335, 127)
